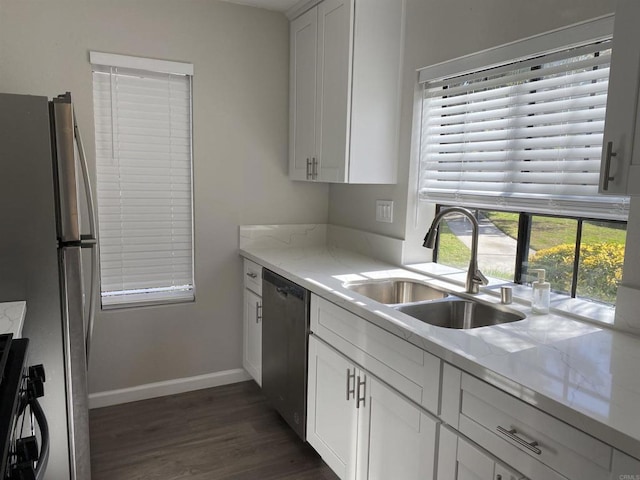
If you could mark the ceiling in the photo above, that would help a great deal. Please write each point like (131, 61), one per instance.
(278, 5)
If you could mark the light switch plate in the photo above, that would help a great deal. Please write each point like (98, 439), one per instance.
(384, 211)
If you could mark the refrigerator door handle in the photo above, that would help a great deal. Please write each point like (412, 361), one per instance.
(91, 207)
(92, 241)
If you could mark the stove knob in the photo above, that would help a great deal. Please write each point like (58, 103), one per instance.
(27, 449)
(35, 381)
(35, 387)
(37, 371)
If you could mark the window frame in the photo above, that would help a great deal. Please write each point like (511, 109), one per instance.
(150, 296)
(523, 241)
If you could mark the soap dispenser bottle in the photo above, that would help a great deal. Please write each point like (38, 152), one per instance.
(541, 292)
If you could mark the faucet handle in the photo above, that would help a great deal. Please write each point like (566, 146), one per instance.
(479, 278)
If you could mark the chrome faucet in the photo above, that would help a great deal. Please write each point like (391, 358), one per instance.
(475, 278)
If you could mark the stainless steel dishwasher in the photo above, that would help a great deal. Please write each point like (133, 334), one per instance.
(285, 330)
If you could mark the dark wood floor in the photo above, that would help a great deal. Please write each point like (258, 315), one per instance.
(226, 432)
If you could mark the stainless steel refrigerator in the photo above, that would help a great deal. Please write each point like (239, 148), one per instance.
(48, 257)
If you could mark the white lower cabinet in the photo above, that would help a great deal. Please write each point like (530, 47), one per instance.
(396, 438)
(530, 440)
(252, 335)
(459, 459)
(252, 320)
(362, 428)
(332, 417)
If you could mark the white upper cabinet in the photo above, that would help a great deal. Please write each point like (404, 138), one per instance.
(304, 41)
(346, 59)
(620, 170)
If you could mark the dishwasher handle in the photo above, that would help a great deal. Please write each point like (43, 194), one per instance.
(283, 286)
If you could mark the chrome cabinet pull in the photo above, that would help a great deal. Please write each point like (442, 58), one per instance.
(252, 275)
(362, 383)
(314, 172)
(512, 435)
(607, 166)
(350, 390)
(258, 312)
(309, 171)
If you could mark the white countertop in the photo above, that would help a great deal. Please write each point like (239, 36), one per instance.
(12, 317)
(582, 374)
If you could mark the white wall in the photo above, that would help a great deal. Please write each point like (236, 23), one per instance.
(240, 148)
(437, 31)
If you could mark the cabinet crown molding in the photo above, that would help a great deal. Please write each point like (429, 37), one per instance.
(301, 7)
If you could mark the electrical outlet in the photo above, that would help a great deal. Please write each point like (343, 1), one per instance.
(384, 211)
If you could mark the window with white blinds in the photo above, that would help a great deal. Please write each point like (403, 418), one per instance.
(523, 135)
(142, 111)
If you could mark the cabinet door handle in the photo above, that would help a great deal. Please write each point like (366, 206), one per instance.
(512, 435)
(607, 166)
(351, 390)
(362, 383)
(314, 172)
(258, 312)
(309, 171)
(252, 275)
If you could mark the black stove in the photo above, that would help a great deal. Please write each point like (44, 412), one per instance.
(22, 423)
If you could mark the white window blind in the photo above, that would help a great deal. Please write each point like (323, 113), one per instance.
(522, 136)
(144, 174)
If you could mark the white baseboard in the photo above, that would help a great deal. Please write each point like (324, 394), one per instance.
(169, 387)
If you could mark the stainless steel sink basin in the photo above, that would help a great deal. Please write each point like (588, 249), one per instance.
(396, 290)
(456, 312)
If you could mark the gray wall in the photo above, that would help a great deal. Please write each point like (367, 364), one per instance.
(437, 31)
(240, 147)
(240, 139)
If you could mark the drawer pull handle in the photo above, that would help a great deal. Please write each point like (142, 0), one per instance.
(512, 435)
(252, 275)
(258, 312)
(351, 376)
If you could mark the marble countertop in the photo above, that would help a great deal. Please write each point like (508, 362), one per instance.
(12, 317)
(582, 374)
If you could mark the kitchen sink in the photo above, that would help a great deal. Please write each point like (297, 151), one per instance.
(453, 312)
(396, 290)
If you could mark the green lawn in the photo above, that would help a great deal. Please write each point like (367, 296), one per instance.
(452, 251)
(548, 232)
(600, 271)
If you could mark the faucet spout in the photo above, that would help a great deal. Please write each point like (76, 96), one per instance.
(475, 278)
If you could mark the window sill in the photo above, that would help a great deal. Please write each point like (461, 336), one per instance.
(581, 309)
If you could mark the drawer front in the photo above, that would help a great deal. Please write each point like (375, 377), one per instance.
(500, 419)
(410, 370)
(253, 276)
(516, 458)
